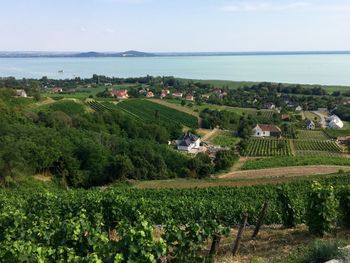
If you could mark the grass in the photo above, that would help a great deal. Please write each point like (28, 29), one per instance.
(237, 110)
(334, 133)
(294, 161)
(225, 139)
(312, 116)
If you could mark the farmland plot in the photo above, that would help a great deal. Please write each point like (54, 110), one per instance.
(268, 147)
(312, 135)
(316, 147)
(150, 111)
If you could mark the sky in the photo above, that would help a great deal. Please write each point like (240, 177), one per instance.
(174, 26)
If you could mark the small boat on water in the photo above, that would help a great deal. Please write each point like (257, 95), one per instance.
(60, 71)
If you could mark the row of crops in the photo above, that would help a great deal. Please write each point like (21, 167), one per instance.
(150, 111)
(116, 225)
(312, 135)
(97, 106)
(316, 145)
(268, 147)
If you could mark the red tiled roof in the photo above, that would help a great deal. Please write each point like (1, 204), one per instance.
(269, 127)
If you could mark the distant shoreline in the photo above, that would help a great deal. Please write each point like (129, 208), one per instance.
(131, 53)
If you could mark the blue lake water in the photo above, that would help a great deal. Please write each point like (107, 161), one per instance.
(308, 69)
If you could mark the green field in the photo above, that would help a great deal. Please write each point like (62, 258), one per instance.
(312, 135)
(268, 147)
(310, 146)
(149, 111)
(225, 139)
(240, 111)
(286, 161)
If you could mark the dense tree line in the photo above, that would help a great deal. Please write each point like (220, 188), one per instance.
(88, 149)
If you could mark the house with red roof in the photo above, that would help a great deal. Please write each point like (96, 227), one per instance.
(119, 94)
(267, 130)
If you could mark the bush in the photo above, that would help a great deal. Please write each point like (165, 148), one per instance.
(321, 210)
(225, 159)
(344, 203)
(289, 214)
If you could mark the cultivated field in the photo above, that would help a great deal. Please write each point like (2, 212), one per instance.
(150, 111)
(312, 135)
(316, 147)
(268, 147)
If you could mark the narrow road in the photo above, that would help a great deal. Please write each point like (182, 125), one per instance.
(285, 171)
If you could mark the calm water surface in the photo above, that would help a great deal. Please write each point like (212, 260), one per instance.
(311, 69)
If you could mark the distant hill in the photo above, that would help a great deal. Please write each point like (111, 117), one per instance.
(133, 53)
(129, 53)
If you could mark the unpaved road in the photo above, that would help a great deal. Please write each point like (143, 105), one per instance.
(285, 171)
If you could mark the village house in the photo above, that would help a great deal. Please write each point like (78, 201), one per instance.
(21, 93)
(285, 117)
(119, 94)
(266, 130)
(310, 125)
(334, 122)
(269, 106)
(57, 90)
(149, 94)
(298, 108)
(177, 94)
(343, 139)
(188, 142)
(190, 98)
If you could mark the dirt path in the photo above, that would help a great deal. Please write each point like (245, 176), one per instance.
(210, 134)
(285, 171)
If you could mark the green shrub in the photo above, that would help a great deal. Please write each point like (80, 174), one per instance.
(344, 204)
(289, 214)
(322, 209)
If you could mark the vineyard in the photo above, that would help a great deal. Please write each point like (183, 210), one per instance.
(117, 224)
(312, 135)
(150, 111)
(316, 146)
(268, 147)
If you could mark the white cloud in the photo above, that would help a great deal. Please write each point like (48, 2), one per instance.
(83, 29)
(265, 6)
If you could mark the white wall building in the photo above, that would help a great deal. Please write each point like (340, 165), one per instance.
(334, 122)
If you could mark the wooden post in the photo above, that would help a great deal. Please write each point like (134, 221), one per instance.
(214, 247)
(239, 234)
(260, 220)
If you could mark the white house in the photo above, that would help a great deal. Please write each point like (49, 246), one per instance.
(21, 93)
(310, 125)
(299, 108)
(188, 142)
(334, 122)
(266, 130)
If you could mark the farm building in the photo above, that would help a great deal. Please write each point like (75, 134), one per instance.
(120, 94)
(344, 139)
(285, 117)
(21, 93)
(57, 90)
(334, 122)
(177, 94)
(188, 142)
(266, 130)
(269, 106)
(150, 94)
(310, 125)
(190, 98)
(298, 108)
